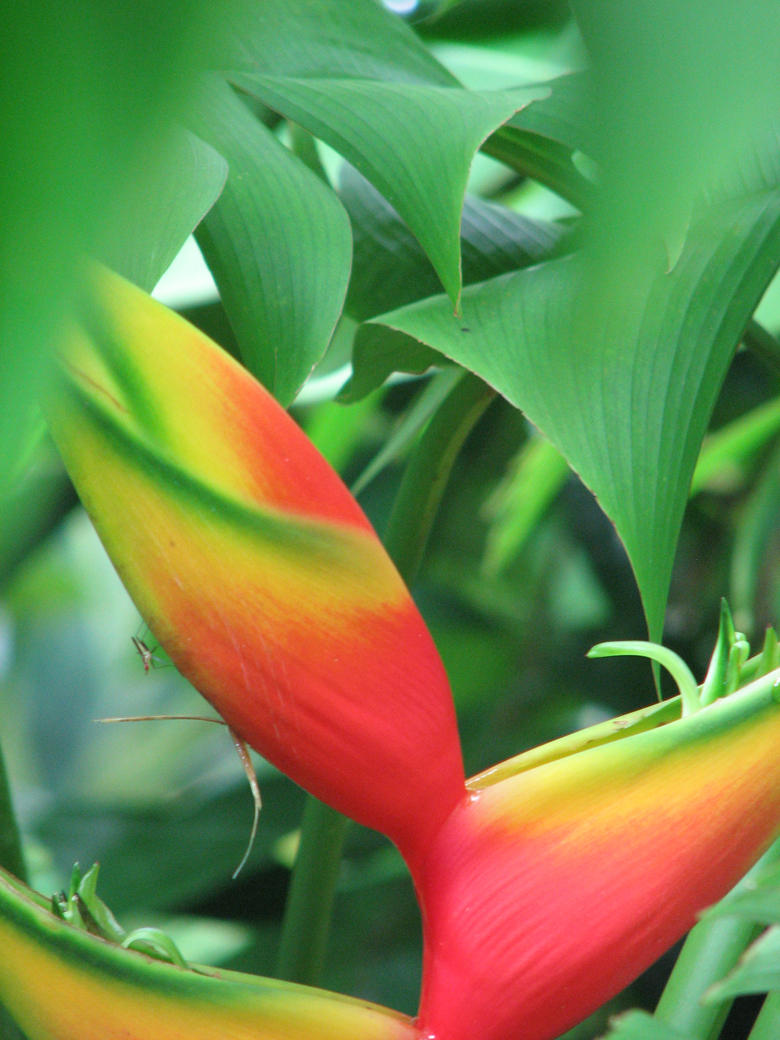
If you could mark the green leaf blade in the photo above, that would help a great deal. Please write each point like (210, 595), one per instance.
(414, 143)
(624, 395)
(279, 245)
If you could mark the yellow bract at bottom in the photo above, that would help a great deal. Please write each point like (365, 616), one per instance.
(111, 994)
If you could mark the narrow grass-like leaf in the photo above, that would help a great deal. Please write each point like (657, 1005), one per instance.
(278, 243)
(410, 425)
(536, 476)
(726, 453)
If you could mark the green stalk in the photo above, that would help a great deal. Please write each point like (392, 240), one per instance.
(11, 858)
(763, 344)
(711, 950)
(312, 889)
(428, 471)
(313, 885)
(767, 1025)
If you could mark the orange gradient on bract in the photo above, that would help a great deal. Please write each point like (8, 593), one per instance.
(196, 405)
(299, 631)
(548, 892)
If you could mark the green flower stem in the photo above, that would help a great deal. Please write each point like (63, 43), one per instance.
(711, 950)
(767, 1025)
(10, 843)
(313, 886)
(763, 344)
(428, 471)
(312, 889)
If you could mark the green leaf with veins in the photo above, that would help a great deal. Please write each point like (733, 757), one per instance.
(414, 143)
(390, 268)
(266, 242)
(625, 398)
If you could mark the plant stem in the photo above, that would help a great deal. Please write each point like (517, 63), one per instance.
(11, 858)
(313, 886)
(711, 950)
(767, 1025)
(763, 344)
(428, 471)
(312, 889)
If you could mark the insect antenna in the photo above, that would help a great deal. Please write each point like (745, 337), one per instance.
(243, 754)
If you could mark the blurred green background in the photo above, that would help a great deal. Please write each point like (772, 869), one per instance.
(523, 575)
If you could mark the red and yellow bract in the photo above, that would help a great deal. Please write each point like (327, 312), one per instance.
(255, 568)
(547, 884)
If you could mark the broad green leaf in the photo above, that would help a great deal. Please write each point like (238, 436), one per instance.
(540, 140)
(639, 1025)
(757, 972)
(390, 269)
(156, 215)
(58, 981)
(278, 243)
(378, 352)
(564, 116)
(627, 400)
(318, 38)
(672, 111)
(414, 143)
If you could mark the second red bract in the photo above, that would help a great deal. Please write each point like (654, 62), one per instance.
(543, 893)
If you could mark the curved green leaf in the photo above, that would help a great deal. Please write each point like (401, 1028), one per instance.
(390, 269)
(320, 38)
(156, 215)
(540, 140)
(414, 143)
(266, 242)
(626, 400)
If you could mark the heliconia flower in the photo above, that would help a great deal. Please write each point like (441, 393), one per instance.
(555, 884)
(548, 883)
(254, 566)
(61, 983)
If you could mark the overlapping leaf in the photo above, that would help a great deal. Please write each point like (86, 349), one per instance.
(390, 267)
(155, 216)
(541, 140)
(414, 143)
(278, 244)
(626, 400)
